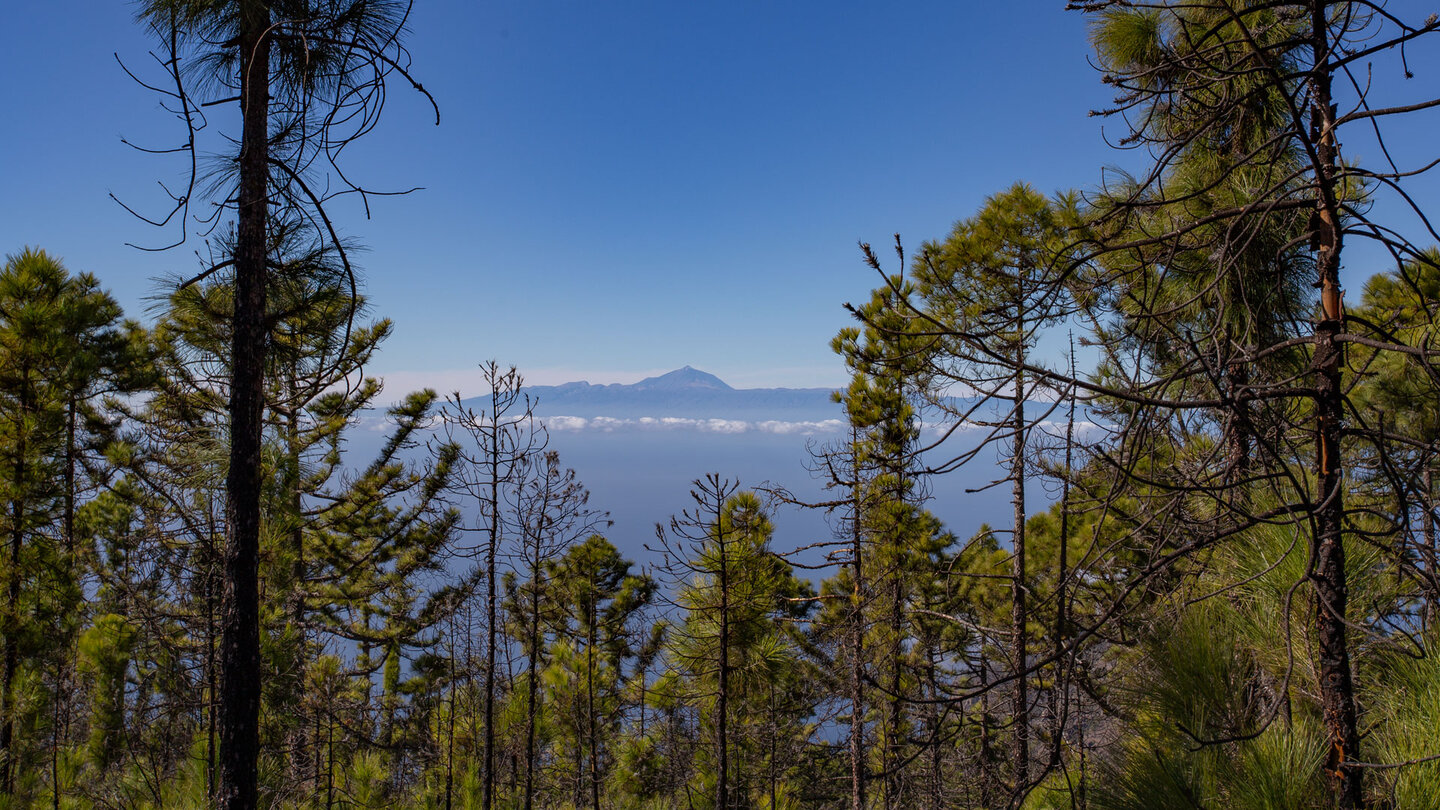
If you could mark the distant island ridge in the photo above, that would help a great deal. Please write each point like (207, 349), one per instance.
(688, 398)
(685, 392)
(681, 379)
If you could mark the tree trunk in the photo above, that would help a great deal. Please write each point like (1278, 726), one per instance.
(857, 637)
(774, 733)
(1240, 426)
(1337, 695)
(212, 670)
(1427, 523)
(897, 621)
(590, 704)
(62, 676)
(1059, 707)
(11, 625)
(450, 725)
(722, 742)
(57, 738)
(932, 714)
(240, 671)
(319, 750)
(68, 517)
(330, 762)
(532, 688)
(987, 766)
(1020, 698)
(488, 788)
(299, 758)
(895, 710)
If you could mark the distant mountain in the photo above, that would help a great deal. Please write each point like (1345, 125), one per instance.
(688, 398)
(682, 379)
(637, 447)
(685, 393)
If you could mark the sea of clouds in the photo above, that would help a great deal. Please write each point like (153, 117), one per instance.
(610, 424)
(780, 427)
(1084, 429)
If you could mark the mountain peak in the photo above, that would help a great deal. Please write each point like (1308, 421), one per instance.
(686, 378)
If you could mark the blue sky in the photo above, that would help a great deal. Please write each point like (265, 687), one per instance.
(615, 189)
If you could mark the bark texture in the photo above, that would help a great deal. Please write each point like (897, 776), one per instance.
(240, 671)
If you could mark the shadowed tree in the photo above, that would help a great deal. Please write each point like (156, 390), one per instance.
(309, 77)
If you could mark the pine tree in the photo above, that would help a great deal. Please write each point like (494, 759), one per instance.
(898, 539)
(738, 636)
(308, 77)
(990, 288)
(551, 515)
(345, 544)
(1254, 93)
(597, 600)
(59, 339)
(500, 437)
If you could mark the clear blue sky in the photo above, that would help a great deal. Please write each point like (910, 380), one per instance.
(615, 188)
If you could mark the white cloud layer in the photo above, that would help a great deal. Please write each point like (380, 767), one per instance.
(1048, 429)
(610, 424)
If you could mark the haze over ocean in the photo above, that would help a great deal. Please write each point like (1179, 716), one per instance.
(638, 447)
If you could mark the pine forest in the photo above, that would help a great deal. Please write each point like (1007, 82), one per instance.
(1229, 596)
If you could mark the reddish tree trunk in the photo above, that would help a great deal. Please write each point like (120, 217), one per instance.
(1337, 692)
